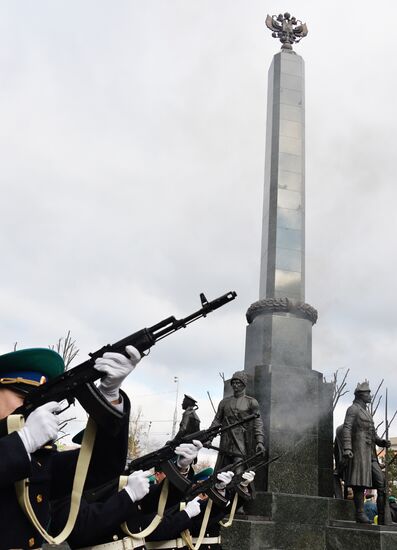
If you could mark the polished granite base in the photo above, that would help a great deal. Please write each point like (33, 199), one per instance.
(278, 521)
(358, 536)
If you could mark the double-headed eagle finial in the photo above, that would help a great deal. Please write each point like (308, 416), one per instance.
(288, 29)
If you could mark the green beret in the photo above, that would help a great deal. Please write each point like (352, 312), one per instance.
(203, 475)
(25, 368)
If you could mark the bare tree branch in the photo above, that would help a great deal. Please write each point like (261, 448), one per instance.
(135, 434)
(377, 405)
(374, 398)
(67, 349)
(339, 389)
(392, 418)
(388, 424)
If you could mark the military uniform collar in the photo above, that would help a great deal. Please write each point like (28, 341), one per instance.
(361, 404)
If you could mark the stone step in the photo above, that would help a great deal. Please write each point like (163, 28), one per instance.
(285, 508)
(355, 536)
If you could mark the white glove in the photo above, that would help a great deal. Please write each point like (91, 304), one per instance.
(248, 478)
(224, 479)
(187, 452)
(40, 427)
(193, 508)
(138, 485)
(116, 367)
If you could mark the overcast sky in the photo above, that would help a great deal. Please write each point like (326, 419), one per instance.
(132, 139)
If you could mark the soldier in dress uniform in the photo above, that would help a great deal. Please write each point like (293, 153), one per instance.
(361, 469)
(193, 522)
(103, 510)
(212, 539)
(29, 453)
(242, 441)
(190, 422)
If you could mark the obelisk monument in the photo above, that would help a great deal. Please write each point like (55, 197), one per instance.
(295, 403)
(290, 511)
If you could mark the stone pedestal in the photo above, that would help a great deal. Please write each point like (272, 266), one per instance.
(277, 521)
(295, 403)
(281, 521)
(344, 534)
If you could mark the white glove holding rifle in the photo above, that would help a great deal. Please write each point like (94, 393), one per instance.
(41, 426)
(248, 478)
(138, 485)
(187, 453)
(193, 507)
(116, 367)
(224, 479)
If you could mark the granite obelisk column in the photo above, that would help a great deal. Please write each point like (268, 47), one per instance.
(295, 403)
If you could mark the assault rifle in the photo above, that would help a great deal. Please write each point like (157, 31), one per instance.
(252, 463)
(163, 457)
(77, 383)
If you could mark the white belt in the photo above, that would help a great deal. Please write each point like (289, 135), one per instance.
(179, 543)
(209, 540)
(163, 544)
(124, 544)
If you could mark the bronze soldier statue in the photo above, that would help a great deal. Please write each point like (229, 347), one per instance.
(190, 422)
(242, 441)
(362, 469)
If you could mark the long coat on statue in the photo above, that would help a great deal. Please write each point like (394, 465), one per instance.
(360, 436)
(243, 440)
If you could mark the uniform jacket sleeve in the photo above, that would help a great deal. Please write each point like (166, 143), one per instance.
(219, 415)
(173, 523)
(378, 440)
(99, 521)
(96, 521)
(258, 424)
(14, 460)
(107, 462)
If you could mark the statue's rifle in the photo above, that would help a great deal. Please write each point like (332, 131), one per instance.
(387, 513)
(165, 456)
